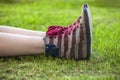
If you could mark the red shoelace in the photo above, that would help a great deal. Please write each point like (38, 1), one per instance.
(59, 30)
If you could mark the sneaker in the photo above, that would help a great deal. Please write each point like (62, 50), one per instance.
(73, 41)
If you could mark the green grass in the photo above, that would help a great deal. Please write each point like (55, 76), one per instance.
(104, 62)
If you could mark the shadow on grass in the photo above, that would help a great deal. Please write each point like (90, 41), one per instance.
(19, 58)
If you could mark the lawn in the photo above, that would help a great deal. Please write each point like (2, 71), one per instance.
(104, 63)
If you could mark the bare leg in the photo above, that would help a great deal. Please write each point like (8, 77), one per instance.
(15, 45)
(13, 30)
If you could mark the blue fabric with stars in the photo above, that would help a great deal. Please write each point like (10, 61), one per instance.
(52, 50)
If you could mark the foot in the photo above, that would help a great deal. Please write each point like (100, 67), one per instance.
(72, 42)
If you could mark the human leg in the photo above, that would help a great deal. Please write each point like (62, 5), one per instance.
(13, 30)
(73, 41)
(15, 45)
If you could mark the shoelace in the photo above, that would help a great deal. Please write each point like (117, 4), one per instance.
(59, 30)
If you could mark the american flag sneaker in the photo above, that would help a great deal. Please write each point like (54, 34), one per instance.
(73, 41)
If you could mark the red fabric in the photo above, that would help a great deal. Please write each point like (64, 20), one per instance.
(65, 44)
(72, 52)
(51, 40)
(59, 44)
(80, 51)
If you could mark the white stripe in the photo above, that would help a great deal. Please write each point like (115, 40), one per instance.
(47, 40)
(84, 44)
(62, 45)
(69, 45)
(77, 41)
(55, 41)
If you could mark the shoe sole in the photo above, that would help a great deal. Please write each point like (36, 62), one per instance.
(88, 26)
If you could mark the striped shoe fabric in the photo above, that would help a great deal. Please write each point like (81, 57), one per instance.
(72, 41)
